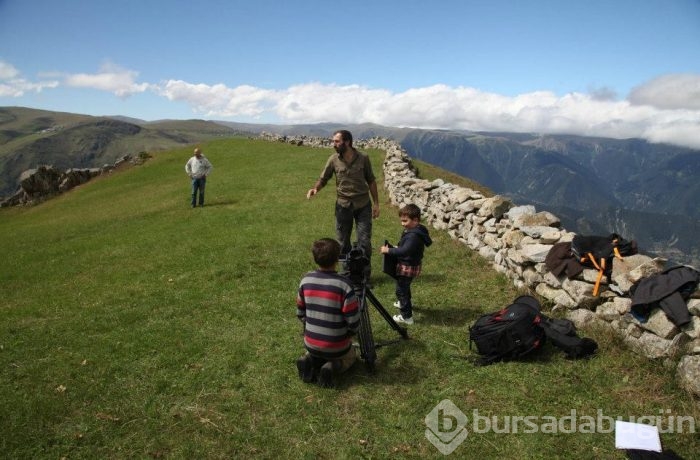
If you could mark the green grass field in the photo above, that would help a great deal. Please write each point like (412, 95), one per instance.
(136, 327)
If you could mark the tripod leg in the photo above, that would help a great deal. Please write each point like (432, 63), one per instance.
(385, 314)
(368, 350)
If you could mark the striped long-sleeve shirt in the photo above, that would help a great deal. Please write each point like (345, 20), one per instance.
(327, 304)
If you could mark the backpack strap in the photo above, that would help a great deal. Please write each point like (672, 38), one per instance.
(600, 266)
(616, 250)
(601, 270)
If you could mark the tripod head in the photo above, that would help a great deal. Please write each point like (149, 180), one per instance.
(357, 265)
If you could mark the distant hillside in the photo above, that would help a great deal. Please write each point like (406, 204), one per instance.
(359, 131)
(29, 138)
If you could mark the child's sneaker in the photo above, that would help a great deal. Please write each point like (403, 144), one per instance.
(397, 304)
(401, 319)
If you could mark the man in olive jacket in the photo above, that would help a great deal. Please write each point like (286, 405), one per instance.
(355, 185)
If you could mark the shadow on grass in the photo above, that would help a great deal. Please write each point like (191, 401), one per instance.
(546, 356)
(431, 278)
(382, 279)
(389, 367)
(447, 316)
(220, 202)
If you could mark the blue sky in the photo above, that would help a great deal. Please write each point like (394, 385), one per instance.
(613, 68)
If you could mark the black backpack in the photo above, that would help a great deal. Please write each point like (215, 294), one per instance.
(598, 252)
(521, 328)
(509, 333)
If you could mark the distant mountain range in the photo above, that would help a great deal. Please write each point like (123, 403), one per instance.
(648, 192)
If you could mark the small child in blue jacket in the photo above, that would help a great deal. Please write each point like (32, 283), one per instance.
(409, 256)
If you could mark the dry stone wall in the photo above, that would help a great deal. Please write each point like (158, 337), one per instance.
(516, 239)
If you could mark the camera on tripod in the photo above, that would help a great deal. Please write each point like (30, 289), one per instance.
(356, 265)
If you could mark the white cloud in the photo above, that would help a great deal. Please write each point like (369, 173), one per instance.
(110, 78)
(7, 71)
(219, 100)
(672, 91)
(12, 85)
(441, 106)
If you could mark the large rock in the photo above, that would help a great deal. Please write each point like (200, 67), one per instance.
(654, 347)
(513, 238)
(659, 324)
(519, 211)
(461, 194)
(41, 181)
(538, 231)
(558, 296)
(650, 267)
(688, 373)
(581, 318)
(582, 293)
(693, 347)
(74, 177)
(535, 252)
(692, 328)
(495, 206)
(621, 270)
(540, 219)
(614, 308)
(694, 306)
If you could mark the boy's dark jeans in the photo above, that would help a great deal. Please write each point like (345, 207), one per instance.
(403, 293)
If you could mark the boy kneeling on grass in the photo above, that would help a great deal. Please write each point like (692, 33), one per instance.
(330, 311)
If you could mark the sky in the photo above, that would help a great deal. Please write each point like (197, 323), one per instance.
(609, 68)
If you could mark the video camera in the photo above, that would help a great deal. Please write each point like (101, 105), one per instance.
(356, 264)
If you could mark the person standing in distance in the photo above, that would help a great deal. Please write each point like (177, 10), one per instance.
(355, 184)
(198, 168)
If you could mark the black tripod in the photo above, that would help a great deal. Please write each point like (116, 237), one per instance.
(368, 348)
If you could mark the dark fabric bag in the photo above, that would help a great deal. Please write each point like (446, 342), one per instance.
(509, 333)
(389, 262)
(562, 334)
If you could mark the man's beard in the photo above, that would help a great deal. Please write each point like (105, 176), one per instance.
(340, 149)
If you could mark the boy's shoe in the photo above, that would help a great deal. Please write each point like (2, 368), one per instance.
(325, 376)
(305, 368)
(400, 319)
(397, 304)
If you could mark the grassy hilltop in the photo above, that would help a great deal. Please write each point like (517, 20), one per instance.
(136, 327)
